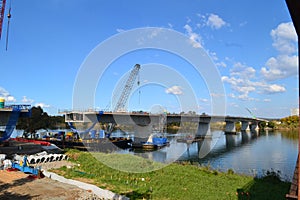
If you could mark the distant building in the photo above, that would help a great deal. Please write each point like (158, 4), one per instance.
(294, 111)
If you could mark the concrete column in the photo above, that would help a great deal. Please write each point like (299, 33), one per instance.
(254, 126)
(245, 126)
(246, 136)
(203, 129)
(232, 140)
(230, 127)
(204, 147)
(142, 131)
(254, 134)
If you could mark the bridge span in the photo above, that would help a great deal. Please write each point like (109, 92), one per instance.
(146, 122)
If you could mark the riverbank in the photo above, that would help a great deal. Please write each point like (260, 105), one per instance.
(175, 181)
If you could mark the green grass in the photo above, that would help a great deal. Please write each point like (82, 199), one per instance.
(175, 181)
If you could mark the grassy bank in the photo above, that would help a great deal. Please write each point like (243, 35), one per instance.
(175, 181)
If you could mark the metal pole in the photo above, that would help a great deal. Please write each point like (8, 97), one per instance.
(294, 9)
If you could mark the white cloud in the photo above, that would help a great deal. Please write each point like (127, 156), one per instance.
(282, 66)
(285, 64)
(176, 90)
(195, 39)
(221, 64)
(151, 35)
(10, 99)
(243, 23)
(215, 58)
(217, 95)
(155, 33)
(245, 86)
(215, 22)
(120, 30)
(242, 71)
(213, 55)
(274, 88)
(188, 20)
(27, 100)
(232, 104)
(203, 100)
(42, 105)
(5, 94)
(285, 38)
(116, 73)
(242, 83)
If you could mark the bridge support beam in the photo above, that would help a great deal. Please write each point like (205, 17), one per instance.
(142, 131)
(246, 136)
(232, 140)
(245, 126)
(230, 127)
(254, 126)
(204, 147)
(203, 129)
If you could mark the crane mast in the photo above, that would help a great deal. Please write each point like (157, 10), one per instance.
(120, 106)
(2, 9)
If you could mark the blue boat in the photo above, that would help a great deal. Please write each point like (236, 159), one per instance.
(155, 141)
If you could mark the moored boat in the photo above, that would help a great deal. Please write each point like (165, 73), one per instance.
(155, 141)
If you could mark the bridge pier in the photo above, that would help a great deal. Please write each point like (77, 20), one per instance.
(254, 126)
(246, 136)
(203, 129)
(245, 126)
(230, 127)
(232, 140)
(142, 131)
(204, 147)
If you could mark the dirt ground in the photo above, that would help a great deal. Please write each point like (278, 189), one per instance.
(17, 185)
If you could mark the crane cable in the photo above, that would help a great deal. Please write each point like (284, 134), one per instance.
(8, 22)
(138, 83)
(253, 116)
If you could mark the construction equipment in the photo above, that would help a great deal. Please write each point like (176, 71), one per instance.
(120, 106)
(7, 29)
(15, 112)
(2, 9)
(253, 116)
(23, 166)
(71, 125)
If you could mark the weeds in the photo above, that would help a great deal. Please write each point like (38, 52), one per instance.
(176, 181)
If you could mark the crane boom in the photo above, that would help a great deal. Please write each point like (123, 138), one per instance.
(120, 106)
(2, 9)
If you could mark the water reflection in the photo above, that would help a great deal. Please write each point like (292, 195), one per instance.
(246, 137)
(245, 152)
(232, 140)
(204, 147)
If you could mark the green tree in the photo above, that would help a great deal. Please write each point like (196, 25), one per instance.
(40, 120)
(271, 124)
(290, 122)
(262, 125)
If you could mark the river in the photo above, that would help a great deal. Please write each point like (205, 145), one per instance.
(244, 153)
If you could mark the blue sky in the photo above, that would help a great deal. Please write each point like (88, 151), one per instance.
(252, 44)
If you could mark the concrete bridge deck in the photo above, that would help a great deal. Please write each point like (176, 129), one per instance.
(142, 119)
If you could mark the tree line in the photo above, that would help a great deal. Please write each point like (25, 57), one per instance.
(40, 120)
